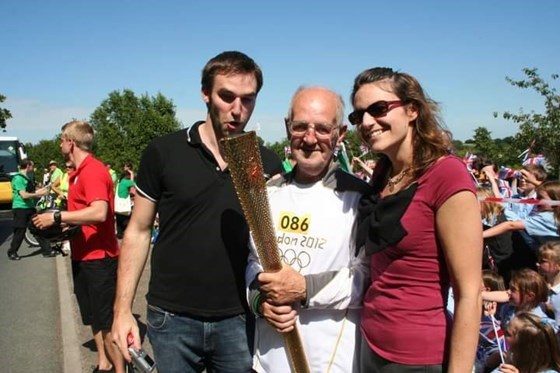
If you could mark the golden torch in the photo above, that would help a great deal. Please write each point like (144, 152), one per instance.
(244, 161)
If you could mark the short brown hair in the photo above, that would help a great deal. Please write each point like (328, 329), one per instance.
(228, 63)
(25, 163)
(536, 170)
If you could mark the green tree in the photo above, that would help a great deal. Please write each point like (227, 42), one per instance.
(125, 124)
(543, 130)
(508, 152)
(483, 143)
(458, 147)
(504, 152)
(353, 143)
(278, 147)
(43, 152)
(5, 114)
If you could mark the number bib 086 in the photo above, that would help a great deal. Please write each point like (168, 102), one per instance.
(290, 222)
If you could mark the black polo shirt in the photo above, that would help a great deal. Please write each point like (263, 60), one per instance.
(198, 262)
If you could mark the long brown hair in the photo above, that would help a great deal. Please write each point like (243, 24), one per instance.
(535, 347)
(529, 281)
(430, 139)
(489, 210)
(492, 280)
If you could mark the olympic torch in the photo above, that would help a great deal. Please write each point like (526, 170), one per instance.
(245, 165)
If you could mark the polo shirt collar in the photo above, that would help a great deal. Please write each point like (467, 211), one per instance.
(193, 135)
(84, 163)
(74, 174)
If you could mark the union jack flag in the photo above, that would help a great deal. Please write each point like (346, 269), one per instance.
(491, 334)
(506, 173)
(505, 188)
(468, 160)
(538, 159)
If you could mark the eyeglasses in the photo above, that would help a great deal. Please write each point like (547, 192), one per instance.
(69, 166)
(377, 110)
(322, 130)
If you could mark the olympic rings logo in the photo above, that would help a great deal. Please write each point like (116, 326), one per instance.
(298, 261)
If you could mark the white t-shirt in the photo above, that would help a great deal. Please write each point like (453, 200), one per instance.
(314, 226)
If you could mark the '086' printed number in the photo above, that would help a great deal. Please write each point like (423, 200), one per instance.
(290, 222)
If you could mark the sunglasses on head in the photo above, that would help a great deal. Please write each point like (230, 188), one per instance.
(377, 110)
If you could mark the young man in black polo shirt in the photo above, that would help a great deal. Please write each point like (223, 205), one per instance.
(196, 299)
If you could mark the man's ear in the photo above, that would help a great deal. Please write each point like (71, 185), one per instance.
(205, 96)
(286, 121)
(341, 133)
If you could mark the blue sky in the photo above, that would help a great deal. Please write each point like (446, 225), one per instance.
(61, 59)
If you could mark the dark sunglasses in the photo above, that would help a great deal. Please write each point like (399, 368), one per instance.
(377, 110)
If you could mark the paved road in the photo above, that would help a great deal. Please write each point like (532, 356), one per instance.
(30, 329)
(40, 328)
(84, 336)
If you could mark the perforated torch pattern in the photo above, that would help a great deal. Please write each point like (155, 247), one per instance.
(245, 165)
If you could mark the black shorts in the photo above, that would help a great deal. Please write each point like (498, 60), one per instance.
(95, 286)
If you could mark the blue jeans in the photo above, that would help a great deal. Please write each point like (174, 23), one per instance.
(183, 344)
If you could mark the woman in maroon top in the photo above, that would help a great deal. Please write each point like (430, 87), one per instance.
(421, 228)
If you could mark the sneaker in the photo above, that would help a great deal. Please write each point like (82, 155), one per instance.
(66, 248)
(14, 256)
(49, 254)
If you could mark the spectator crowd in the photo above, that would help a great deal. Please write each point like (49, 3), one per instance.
(417, 261)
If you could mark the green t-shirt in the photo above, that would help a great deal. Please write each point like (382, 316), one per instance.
(19, 182)
(123, 189)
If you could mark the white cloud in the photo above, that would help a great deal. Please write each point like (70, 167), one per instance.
(33, 120)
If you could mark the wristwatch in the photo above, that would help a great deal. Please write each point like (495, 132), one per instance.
(57, 217)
